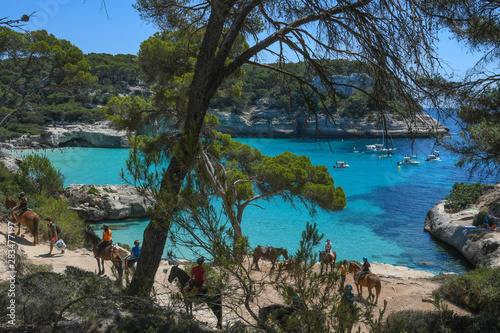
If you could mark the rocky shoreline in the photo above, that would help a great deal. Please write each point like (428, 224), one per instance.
(107, 202)
(263, 122)
(260, 122)
(481, 247)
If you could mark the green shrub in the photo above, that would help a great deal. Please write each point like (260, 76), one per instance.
(463, 194)
(37, 175)
(93, 191)
(40, 296)
(479, 218)
(477, 291)
(411, 321)
(72, 227)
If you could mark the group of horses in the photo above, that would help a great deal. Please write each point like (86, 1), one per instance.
(211, 296)
(369, 281)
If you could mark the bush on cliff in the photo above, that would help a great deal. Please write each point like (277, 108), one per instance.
(477, 291)
(463, 194)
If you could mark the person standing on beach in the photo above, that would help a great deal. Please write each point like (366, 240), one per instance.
(343, 273)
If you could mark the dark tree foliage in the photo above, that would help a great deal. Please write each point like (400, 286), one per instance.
(476, 98)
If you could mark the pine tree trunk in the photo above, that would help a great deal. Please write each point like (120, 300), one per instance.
(208, 76)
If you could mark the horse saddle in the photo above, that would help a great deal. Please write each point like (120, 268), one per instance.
(362, 274)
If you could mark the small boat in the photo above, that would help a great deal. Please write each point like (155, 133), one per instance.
(435, 152)
(379, 148)
(341, 164)
(432, 158)
(407, 160)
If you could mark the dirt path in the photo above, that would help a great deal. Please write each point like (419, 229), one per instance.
(403, 288)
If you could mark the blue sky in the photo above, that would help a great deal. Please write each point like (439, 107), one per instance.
(87, 25)
(84, 23)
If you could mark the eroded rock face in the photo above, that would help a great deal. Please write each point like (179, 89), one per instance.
(480, 246)
(98, 135)
(10, 161)
(107, 202)
(262, 121)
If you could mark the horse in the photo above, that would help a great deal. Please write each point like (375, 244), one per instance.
(107, 254)
(369, 281)
(269, 253)
(210, 295)
(29, 218)
(328, 260)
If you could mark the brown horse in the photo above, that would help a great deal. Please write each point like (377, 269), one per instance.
(269, 253)
(109, 253)
(369, 281)
(328, 260)
(29, 218)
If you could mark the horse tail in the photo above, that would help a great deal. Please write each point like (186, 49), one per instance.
(36, 221)
(378, 287)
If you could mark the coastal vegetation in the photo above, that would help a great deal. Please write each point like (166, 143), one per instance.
(463, 194)
(476, 290)
(42, 184)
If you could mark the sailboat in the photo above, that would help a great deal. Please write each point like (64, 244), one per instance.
(380, 148)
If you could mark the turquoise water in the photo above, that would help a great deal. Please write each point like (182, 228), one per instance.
(386, 204)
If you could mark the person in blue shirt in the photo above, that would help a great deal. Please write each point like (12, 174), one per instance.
(348, 296)
(134, 254)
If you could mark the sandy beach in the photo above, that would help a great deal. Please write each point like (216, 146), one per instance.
(402, 288)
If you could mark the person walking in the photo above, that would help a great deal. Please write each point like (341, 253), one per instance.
(53, 235)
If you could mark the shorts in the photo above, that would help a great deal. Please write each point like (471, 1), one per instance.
(193, 284)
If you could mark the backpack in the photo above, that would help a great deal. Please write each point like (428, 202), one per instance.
(57, 229)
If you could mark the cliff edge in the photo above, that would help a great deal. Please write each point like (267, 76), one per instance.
(480, 246)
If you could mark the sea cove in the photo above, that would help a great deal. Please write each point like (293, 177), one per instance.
(386, 203)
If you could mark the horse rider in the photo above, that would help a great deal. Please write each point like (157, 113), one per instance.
(21, 206)
(197, 277)
(106, 239)
(134, 254)
(328, 247)
(365, 269)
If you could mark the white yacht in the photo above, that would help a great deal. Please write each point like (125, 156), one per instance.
(407, 160)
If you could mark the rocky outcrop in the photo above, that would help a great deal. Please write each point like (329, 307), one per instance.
(98, 135)
(10, 162)
(263, 121)
(480, 246)
(107, 202)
